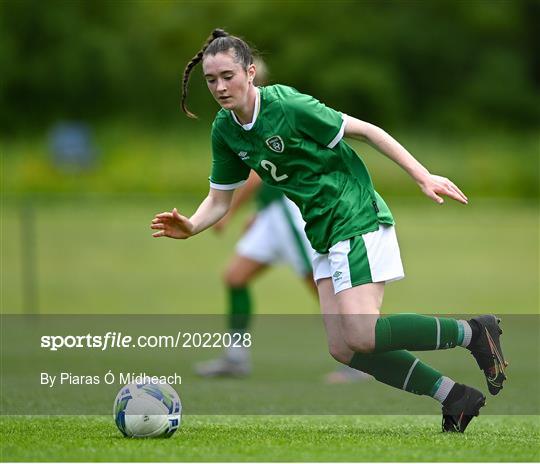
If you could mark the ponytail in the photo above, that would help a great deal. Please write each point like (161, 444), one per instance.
(216, 33)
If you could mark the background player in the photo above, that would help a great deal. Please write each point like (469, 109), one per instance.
(275, 234)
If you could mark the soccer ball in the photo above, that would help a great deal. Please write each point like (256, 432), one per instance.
(147, 410)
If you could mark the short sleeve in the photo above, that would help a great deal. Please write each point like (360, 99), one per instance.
(311, 117)
(228, 170)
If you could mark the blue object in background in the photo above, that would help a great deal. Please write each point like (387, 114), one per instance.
(72, 147)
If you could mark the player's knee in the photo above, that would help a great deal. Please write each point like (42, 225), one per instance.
(340, 354)
(233, 279)
(361, 344)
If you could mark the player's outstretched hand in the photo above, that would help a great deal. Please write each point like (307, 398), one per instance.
(435, 186)
(172, 224)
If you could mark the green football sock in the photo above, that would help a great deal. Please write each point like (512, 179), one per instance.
(417, 333)
(239, 308)
(399, 369)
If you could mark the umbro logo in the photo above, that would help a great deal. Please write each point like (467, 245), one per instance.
(243, 155)
(337, 276)
(275, 143)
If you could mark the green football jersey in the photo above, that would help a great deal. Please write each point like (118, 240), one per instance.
(295, 143)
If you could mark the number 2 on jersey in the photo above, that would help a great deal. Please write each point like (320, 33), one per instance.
(271, 167)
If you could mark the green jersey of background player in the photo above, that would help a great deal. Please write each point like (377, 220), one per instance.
(295, 143)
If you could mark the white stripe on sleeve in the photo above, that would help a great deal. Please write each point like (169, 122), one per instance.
(227, 186)
(339, 135)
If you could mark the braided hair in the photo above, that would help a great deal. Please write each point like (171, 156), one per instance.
(218, 42)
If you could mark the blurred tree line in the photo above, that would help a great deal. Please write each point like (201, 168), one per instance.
(461, 65)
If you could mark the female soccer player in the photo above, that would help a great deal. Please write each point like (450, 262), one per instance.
(295, 143)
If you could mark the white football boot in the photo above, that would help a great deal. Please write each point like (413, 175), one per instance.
(236, 362)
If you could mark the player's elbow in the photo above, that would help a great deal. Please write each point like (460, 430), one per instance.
(357, 129)
(221, 198)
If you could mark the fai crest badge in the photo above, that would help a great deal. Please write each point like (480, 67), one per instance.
(275, 143)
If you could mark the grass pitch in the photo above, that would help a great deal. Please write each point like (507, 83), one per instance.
(97, 257)
(274, 438)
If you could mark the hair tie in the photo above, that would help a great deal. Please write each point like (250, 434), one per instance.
(217, 33)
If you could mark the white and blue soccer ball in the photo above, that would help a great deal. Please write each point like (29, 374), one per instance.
(144, 410)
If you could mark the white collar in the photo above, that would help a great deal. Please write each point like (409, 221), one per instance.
(250, 125)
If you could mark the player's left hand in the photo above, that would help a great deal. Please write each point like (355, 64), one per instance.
(172, 224)
(435, 186)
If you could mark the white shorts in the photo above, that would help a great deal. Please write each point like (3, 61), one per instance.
(277, 235)
(371, 257)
